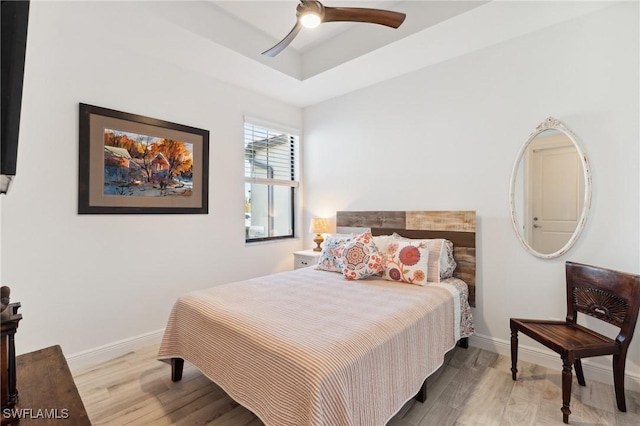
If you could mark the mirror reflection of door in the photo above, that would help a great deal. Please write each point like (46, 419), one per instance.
(550, 190)
(556, 191)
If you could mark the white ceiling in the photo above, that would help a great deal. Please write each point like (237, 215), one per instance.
(225, 39)
(317, 50)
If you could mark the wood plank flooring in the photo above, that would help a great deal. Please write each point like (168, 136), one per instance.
(474, 387)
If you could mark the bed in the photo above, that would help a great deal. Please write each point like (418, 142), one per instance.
(309, 347)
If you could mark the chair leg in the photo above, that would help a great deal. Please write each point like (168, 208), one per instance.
(618, 380)
(579, 374)
(566, 389)
(514, 353)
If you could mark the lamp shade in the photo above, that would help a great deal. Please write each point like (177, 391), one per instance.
(319, 226)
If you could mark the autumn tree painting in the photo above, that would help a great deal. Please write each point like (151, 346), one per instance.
(143, 165)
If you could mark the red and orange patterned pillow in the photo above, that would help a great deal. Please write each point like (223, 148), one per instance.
(360, 257)
(407, 261)
(441, 263)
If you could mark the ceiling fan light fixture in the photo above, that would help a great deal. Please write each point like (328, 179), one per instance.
(310, 19)
(311, 13)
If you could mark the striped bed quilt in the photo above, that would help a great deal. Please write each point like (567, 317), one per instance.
(307, 347)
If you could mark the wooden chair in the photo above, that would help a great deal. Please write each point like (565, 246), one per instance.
(605, 294)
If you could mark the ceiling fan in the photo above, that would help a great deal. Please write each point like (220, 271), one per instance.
(311, 13)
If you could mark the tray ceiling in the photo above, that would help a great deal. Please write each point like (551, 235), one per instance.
(225, 39)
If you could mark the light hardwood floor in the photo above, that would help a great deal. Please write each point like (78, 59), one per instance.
(474, 387)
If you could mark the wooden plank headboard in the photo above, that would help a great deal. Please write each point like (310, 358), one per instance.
(457, 226)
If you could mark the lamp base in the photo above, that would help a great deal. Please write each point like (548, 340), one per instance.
(318, 240)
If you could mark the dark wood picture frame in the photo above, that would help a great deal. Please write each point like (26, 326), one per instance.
(132, 164)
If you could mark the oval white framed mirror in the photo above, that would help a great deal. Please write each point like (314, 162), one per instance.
(550, 190)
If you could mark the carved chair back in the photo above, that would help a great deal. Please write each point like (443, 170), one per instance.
(608, 295)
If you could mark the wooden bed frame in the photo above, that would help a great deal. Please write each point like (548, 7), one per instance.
(456, 226)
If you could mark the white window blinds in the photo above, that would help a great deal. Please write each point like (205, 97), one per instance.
(270, 156)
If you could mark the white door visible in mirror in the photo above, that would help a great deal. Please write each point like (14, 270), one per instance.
(557, 191)
(550, 190)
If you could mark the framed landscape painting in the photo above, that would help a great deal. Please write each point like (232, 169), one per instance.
(135, 164)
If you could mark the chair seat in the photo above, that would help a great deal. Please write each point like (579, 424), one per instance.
(564, 338)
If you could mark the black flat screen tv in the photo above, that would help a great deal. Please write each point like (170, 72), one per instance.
(15, 18)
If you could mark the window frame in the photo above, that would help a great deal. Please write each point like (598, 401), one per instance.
(293, 141)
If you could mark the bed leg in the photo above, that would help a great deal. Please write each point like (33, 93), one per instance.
(177, 365)
(421, 396)
(464, 343)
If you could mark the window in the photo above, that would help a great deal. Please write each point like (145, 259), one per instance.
(270, 182)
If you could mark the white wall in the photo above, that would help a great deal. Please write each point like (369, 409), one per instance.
(446, 138)
(91, 280)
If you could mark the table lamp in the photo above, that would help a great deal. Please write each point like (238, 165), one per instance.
(318, 226)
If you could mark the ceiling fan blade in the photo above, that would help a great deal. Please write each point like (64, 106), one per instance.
(357, 14)
(284, 42)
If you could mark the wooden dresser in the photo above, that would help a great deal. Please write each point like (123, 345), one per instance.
(47, 394)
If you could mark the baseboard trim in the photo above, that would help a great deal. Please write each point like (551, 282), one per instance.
(552, 360)
(89, 358)
(108, 352)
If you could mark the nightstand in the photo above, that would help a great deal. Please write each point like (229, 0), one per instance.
(304, 258)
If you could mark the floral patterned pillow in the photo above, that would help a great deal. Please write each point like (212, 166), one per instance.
(329, 257)
(407, 261)
(441, 261)
(360, 258)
